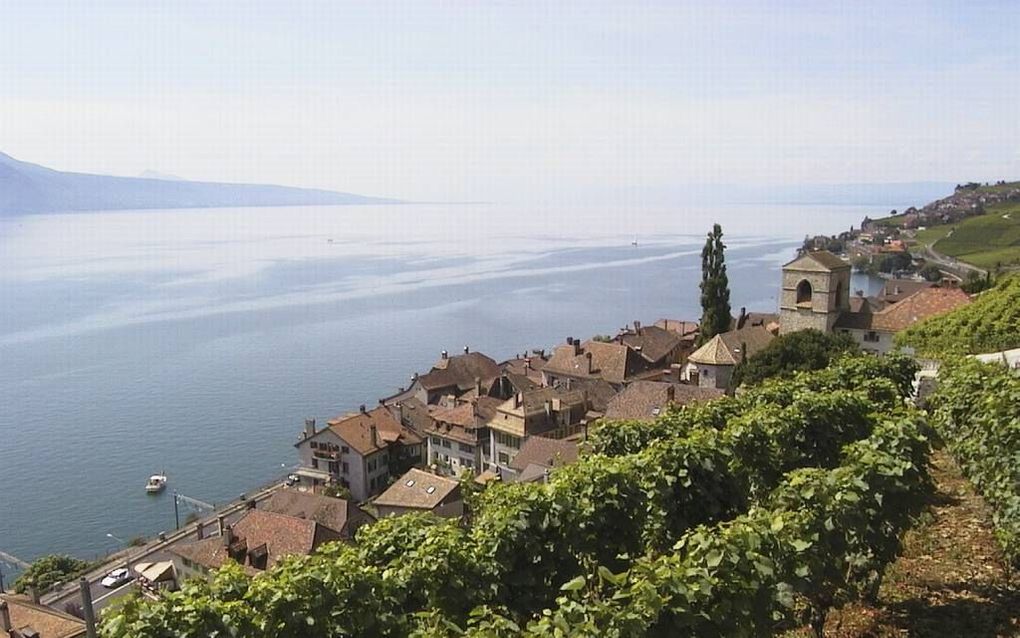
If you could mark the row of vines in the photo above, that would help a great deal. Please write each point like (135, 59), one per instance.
(748, 510)
(990, 323)
(976, 412)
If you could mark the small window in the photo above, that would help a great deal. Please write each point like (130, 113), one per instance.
(430, 489)
(409, 483)
(804, 292)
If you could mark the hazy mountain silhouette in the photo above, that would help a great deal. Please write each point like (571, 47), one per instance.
(30, 188)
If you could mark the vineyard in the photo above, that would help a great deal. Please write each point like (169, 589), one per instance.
(744, 516)
(990, 324)
(976, 412)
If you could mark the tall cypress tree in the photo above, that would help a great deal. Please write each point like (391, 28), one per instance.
(715, 287)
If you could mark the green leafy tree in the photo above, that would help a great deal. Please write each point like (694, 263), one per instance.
(931, 272)
(793, 352)
(336, 490)
(715, 287)
(48, 571)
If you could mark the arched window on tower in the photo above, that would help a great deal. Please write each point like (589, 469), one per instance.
(804, 293)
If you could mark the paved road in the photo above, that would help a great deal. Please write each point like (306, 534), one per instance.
(154, 551)
(953, 265)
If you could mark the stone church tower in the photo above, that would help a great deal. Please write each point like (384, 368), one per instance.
(816, 290)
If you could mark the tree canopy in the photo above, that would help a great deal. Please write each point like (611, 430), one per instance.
(715, 287)
(48, 571)
(793, 352)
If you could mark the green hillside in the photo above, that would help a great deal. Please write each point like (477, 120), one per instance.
(987, 241)
(990, 324)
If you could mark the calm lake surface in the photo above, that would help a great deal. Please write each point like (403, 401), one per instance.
(197, 341)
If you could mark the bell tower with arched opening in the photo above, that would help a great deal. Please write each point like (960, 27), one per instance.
(816, 290)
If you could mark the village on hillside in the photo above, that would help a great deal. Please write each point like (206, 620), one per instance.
(473, 418)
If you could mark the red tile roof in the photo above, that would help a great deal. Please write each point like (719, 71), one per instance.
(644, 400)
(417, 489)
(544, 452)
(49, 622)
(280, 534)
(356, 430)
(925, 303)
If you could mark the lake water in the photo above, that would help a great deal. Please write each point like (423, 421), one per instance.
(197, 341)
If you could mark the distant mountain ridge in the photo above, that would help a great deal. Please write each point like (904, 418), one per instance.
(29, 188)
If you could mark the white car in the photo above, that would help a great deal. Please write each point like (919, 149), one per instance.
(116, 578)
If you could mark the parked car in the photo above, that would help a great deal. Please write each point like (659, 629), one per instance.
(292, 480)
(116, 578)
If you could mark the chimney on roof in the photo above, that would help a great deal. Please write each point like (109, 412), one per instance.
(374, 432)
(5, 618)
(518, 397)
(88, 611)
(199, 531)
(444, 354)
(467, 350)
(670, 393)
(414, 377)
(570, 341)
(587, 355)
(637, 327)
(742, 319)
(478, 386)
(33, 593)
(361, 408)
(548, 409)
(309, 427)
(227, 536)
(221, 524)
(250, 504)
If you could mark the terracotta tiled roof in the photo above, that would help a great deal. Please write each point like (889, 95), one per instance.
(611, 361)
(280, 535)
(686, 329)
(597, 392)
(543, 452)
(866, 304)
(819, 260)
(49, 622)
(533, 401)
(510, 382)
(415, 414)
(923, 304)
(644, 400)
(898, 289)
(460, 371)
(528, 366)
(356, 430)
(653, 343)
(417, 489)
(726, 348)
(333, 513)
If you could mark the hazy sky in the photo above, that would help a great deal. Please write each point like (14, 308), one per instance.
(514, 100)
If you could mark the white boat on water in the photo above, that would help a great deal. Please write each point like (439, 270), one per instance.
(156, 483)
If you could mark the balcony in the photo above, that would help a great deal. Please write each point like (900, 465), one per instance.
(323, 454)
